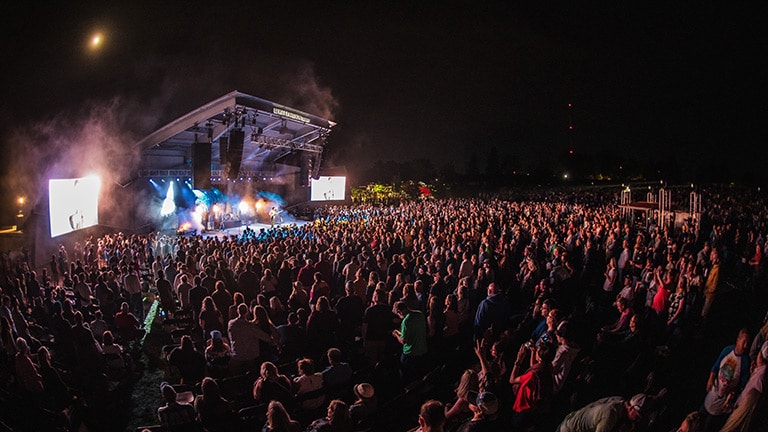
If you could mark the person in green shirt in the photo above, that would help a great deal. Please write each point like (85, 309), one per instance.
(413, 336)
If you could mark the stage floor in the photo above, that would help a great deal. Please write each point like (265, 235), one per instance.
(236, 231)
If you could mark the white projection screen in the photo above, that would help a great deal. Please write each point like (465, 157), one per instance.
(73, 204)
(328, 188)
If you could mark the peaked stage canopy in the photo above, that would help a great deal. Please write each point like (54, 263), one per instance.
(270, 134)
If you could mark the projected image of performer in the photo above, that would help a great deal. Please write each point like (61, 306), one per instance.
(77, 218)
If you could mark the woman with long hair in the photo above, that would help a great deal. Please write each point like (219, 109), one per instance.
(277, 312)
(398, 290)
(336, 420)
(460, 409)
(57, 395)
(267, 350)
(278, 419)
(451, 322)
(435, 323)
(272, 385)
(28, 377)
(750, 415)
(213, 411)
(237, 298)
(268, 283)
(210, 317)
(299, 297)
(188, 360)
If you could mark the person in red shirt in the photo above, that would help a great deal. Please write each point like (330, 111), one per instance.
(534, 385)
(128, 326)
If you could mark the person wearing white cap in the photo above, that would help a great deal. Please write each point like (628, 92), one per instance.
(365, 406)
(605, 414)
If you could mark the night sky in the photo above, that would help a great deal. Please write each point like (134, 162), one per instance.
(680, 85)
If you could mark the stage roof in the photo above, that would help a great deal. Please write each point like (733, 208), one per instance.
(274, 134)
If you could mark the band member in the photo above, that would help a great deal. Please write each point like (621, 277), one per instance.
(274, 213)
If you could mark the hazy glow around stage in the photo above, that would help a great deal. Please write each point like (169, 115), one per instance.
(169, 206)
(73, 204)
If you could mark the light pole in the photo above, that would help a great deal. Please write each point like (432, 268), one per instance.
(20, 215)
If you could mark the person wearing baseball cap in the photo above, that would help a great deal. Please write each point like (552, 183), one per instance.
(485, 409)
(606, 414)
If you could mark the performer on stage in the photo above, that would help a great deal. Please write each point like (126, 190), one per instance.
(274, 216)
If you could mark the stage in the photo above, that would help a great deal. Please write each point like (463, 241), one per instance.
(238, 230)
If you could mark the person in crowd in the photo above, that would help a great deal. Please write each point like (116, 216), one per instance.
(244, 337)
(127, 325)
(267, 349)
(460, 410)
(338, 374)
(378, 323)
(30, 380)
(213, 411)
(268, 283)
(113, 353)
(175, 415)
(533, 385)
(350, 310)
(210, 317)
(299, 298)
(412, 335)
(272, 385)
(691, 423)
(57, 395)
(606, 414)
(757, 376)
(492, 313)
(431, 417)
(165, 292)
(565, 355)
(98, 326)
(364, 408)
(711, 284)
(727, 377)
(492, 369)
(322, 326)
(188, 360)
(336, 420)
(318, 288)
(485, 413)
(217, 356)
(306, 382)
(278, 419)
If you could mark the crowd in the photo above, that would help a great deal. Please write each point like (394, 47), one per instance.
(549, 312)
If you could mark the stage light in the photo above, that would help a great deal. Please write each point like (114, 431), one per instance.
(243, 207)
(168, 205)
